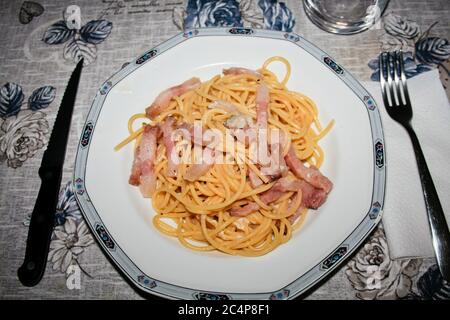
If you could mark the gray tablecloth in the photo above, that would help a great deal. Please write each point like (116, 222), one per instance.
(38, 50)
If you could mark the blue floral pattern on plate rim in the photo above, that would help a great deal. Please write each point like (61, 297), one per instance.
(305, 281)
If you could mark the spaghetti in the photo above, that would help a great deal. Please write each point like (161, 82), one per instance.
(234, 206)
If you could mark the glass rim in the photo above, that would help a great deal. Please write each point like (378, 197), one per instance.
(339, 27)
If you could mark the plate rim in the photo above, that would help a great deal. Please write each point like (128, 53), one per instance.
(306, 280)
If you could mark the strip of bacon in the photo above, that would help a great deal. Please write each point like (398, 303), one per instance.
(280, 167)
(244, 211)
(245, 135)
(277, 166)
(267, 197)
(196, 133)
(167, 129)
(143, 170)
(136, 169)
(312, 197)
(262, 103)
(271, 195)
(188, 129)
(255, 181)
(279, 188)
(264, 158)
(234, 71)
(286, 184)
(147, 184)
(311, 174)
(197, 170)
(163, 99)
(276, 150)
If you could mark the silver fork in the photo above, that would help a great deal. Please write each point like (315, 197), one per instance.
(398, 106)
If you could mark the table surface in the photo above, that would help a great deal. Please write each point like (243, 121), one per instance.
(36, 60)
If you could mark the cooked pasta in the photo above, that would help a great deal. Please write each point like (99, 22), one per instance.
(234, 206)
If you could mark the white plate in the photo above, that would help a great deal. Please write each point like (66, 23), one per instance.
(121, 219)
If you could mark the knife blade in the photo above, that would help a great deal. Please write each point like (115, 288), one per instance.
(50, 172)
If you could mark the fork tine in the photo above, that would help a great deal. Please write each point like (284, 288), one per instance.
(383, 77)
(390, 81)
(396, 85)
(403, 78)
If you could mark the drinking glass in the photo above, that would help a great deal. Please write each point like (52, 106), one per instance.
(344, 16)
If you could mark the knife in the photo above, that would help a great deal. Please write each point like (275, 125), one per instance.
(50, 172)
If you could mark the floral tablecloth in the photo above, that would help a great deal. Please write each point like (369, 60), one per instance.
(40, 43)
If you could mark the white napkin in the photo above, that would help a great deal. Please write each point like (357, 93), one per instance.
(405, 219)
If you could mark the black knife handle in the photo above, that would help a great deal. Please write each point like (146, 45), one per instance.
(41, 228)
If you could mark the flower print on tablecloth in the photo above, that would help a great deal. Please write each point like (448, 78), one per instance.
(71, 235)
(277, 16)
(22, 132)
(67, 205)
(80, 40)
(431, 285)
(375, 276)
(68, 242)
(29, 10)
(422, 52)
(209, 13)
(397, 26)
(269, 14)
(251, 14)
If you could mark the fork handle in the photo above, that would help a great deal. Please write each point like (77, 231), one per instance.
(439, 229)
